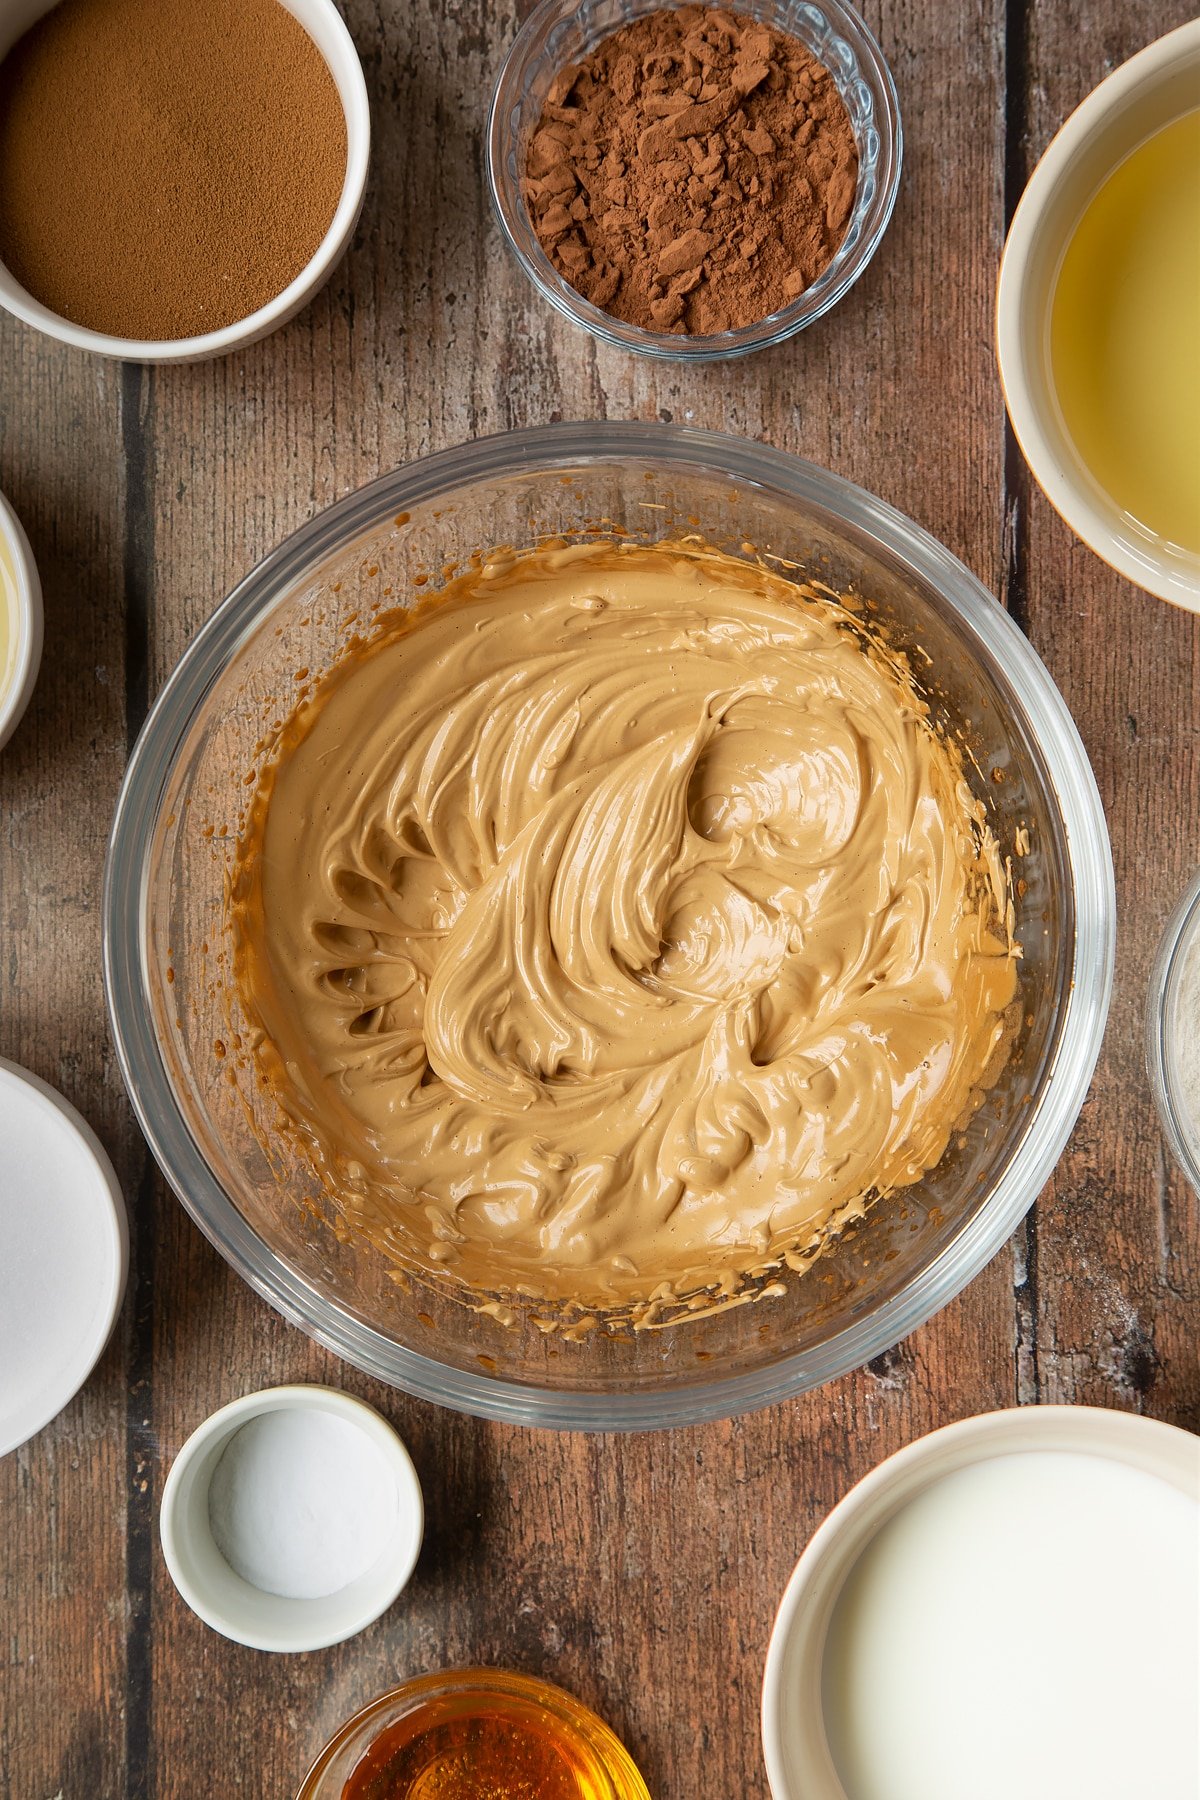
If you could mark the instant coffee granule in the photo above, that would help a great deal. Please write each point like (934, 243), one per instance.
(695, 173)
(166, 166)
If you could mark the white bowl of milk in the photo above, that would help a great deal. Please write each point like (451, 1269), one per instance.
(1009, 1606)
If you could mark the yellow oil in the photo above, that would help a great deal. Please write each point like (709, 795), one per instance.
(1125, 335)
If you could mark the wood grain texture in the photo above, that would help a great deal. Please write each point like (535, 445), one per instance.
(1114, 1275)
(642, 1573)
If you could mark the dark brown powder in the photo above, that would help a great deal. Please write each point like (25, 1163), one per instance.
(166, 166)
(695, 173)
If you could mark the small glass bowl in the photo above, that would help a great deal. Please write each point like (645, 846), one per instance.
(607, 1770)
(560, 32)
(1166, 1020)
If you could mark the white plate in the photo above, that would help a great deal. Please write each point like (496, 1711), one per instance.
(64, 1253)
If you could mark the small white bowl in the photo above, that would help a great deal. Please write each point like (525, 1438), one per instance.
(235, 1607)
(21, 613)
(326, 28)
(1151, 90)
(800, 1764)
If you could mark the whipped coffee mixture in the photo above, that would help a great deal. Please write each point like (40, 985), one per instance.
(617, 925)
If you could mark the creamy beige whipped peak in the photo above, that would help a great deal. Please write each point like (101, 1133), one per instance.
(618, 925)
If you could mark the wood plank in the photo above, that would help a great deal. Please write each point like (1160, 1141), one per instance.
(62, 1497)
(1116, 1282)
(642, 1573)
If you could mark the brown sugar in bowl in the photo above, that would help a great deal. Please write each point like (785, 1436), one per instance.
(559, 34)
(327, 31)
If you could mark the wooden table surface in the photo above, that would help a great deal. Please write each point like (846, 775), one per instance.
(641, 1572)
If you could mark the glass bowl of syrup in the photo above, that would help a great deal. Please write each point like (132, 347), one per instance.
(474, 1734)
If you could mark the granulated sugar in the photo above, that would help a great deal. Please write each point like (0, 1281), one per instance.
(301, 1503)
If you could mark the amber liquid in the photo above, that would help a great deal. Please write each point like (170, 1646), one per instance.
(477, 1748)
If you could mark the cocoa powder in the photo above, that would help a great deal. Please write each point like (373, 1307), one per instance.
(166, 166)
(695, 173)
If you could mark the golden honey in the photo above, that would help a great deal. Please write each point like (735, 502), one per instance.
(499, 1737)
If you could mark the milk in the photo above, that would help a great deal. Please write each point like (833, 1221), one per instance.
(1026, 1629)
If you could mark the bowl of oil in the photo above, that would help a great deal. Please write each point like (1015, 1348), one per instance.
(20, 621)
(1098, 320)
(467, 1733)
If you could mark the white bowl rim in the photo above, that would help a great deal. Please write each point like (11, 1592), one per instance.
(295, 1397)
(352, 91)
(1092, 1430)
(1066, 495)
(29, 621)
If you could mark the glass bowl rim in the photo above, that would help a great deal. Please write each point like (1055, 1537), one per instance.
(777, 327)
(1180, 933)
(559, 448)
(483, 1679)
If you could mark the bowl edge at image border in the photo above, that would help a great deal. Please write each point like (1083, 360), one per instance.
(1150, 1445)
(346, 70)
(1180, 934)
(29, 620)
(843, 23)
(117, 1236)
(1066, 489)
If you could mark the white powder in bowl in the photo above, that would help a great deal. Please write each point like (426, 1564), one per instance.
(301, 1503)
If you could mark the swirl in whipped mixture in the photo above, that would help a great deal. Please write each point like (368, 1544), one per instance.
(618, 925)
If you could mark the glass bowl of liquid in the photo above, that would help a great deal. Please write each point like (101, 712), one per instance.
(467, 1734)
(167, 949)
(1096, 320)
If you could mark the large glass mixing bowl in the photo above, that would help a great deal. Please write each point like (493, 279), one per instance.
(166, 938)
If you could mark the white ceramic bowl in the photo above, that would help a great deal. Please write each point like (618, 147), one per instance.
(324, 25)
(66, 1253)
(1152, 89)
(21, 617)
(800, 1765)
(236, 1608)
